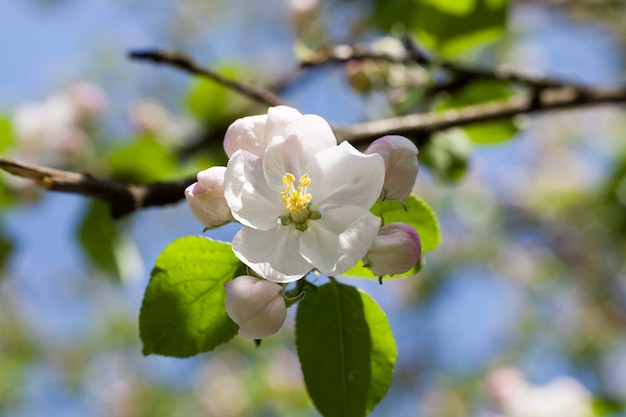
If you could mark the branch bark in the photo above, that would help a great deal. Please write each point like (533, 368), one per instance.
(426, 123)
(123, 198)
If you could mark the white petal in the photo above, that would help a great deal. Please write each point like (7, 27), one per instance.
(278, 118)
(247, 194)
(334, 243)
(314, 132)
(343, 176)
(273, 254)
(282, 156)
(247, 133)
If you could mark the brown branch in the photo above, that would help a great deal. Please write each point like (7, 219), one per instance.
(182, 61)
(122, 198)
(426, 123)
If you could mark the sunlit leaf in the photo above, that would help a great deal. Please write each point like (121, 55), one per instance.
(449, 27)
(183, 311)
(346, 350)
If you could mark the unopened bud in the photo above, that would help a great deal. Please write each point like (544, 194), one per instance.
(396, 249)
(400, 156)
(206, 198)
(256, 305)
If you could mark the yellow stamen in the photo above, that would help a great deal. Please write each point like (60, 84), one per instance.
(295, 199)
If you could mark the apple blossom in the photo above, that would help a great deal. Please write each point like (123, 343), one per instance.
(305, 203)
(396, 249)
(206, 198)
(400, 156)
(256, 305)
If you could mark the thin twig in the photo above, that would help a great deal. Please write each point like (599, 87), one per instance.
(182, 61)
(415, 55)
(123, 198)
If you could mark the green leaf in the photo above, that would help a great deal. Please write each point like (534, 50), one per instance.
(419, 215)
(6, 133)
(144, 160)
(7, 197)
(478, 92)
(6, 248)
(98, 236)
(212, 102)
(183, 311)
(346, 350)
(450, 27)
(447, 154)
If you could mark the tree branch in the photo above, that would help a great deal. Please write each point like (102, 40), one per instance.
(427, 123)
(122, 198)
(544, 94)
(182, 61)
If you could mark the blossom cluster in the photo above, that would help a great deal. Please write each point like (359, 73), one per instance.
(514, 396)
(53, 131)
(304, 202)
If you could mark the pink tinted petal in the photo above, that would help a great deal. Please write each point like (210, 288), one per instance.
(278, 118)
(396, 249)
(256, 305)
(334, 243)
(247, 194)
(401, 166)
(267, 322)
(343, 176)
(273, 254)
(247, 133)
(206, 198)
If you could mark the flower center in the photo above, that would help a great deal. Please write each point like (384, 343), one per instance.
(297, 201)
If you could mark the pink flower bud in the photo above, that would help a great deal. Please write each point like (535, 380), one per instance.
(396, 249)
(256, 305)
(400, 155)
(206, 198)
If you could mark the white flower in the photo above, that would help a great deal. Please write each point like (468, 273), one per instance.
(206, 198)
(254, 133)
(304, 204)
(397, 249)
(400, 156)
(256, 305)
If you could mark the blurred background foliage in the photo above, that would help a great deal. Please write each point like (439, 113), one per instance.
(531, 273)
